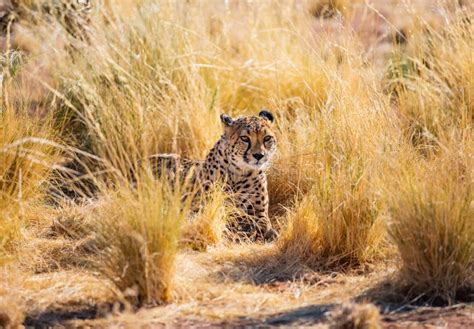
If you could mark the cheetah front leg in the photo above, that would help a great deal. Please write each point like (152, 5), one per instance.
(256, 224)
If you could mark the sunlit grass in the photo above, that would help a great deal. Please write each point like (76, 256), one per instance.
(153, 78)
(433, 80)
(432, 224)
(137, 232)
(27, 159)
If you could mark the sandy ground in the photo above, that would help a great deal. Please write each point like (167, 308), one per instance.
(226, 287)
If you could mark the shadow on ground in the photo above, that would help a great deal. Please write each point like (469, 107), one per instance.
(401, 309)
(392, 316)
(298, 317)
(313, 314)
(460, 316)
(54, 318)
(261, 265)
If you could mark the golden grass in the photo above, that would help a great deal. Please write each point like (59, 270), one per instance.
(216, 287)
(58, 238)
(430, 198)
(11, 314)
(355, 316)
(29, 296)
(137, 234)
(207, 226)
(434, 80)
(27, 158)
(154, 78)
(12, 306)
(344, 146)
(432, 211)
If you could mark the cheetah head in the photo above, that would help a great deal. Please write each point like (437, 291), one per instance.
(251, 142)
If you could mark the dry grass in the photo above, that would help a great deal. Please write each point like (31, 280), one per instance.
(216, 288)
(360, 144)
(27, 158)
(432, 212)
(329, 8)
(137, 234)
(355, 316)
(207, 227)
(11, 314)
(31, 297)
(58, 238)
(433, 80)
(343, 146)
(431, 196)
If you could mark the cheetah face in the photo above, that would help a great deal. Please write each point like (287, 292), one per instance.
(250, 140)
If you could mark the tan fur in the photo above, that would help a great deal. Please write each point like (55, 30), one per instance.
(239, 160)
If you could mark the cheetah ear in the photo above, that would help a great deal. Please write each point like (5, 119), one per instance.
(266, 115)
(227, 120)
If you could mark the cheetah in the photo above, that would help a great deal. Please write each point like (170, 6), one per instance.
(239, 160)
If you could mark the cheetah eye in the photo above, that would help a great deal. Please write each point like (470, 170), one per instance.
(245, 139)
(267, 139)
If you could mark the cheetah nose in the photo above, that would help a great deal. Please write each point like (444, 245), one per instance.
(258, 156)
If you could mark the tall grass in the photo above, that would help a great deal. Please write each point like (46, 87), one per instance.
(431, 197)
(156, 78)
(432, 224)
(27, 158)
(157, 81)
(339, 220)
(207, 226)
(433, 79)
(330, 116)
(137, 232)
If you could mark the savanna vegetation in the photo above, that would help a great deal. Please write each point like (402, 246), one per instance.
(371, 190)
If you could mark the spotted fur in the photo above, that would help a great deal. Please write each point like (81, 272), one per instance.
(239, 160)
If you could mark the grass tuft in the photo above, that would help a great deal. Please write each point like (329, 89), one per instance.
(27, 159)
(432, 225)
(207, 227)
(338, 219)
(432, 81)
(138, 233)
